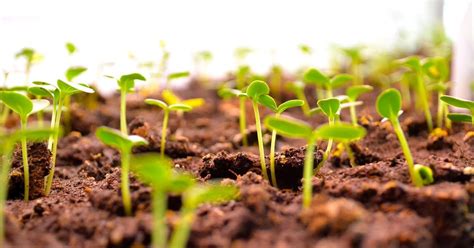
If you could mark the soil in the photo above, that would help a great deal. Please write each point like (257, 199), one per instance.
(370, 205)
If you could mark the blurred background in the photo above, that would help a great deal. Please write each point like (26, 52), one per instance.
(115, 37)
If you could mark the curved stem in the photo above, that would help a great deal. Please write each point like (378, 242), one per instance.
(424, 101)
(272, 158)
(308, 172)
(440, 113)
(166, 114)
(327, 151)
(243, 121)
(160, 230)
(123, 112)
(124, 182)
(24, 152)
(57, 120)
(181, 234)
(260, 140)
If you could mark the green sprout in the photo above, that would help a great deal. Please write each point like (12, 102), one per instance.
(389, 104)
(460, 103)
(24, 107)
(269, 102)
(298, 89)
(292, 128)
(174, 76)
(58, 93)
(437, 69)
(226, 92)
(305, 49)
(71, 48)
(71, 74)
(413, 63)
(353, 92)
(314, 76)
(355, 55)
(166, 112)
(31, 57)
(7, 144)
(126, 84)
(124, 144)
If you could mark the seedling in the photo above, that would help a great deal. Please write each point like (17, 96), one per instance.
(353, 93)
(460, 103)
(24, 107)
(389, 104)
(126, 84)
(292, 128)
(71, 48)
(226, 92)
(314, 76)
(269, 102)
(124, 144)
(413, 64)
(58, 93)
(71, 74)
(174, 76)
(166, 111)
(355, 55)
(298, 89)
(170, 98)
(7, 145)
(31, 57)
(437, 69)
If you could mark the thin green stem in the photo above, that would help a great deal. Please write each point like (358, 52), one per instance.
(180, 236)
(405, 89)
(353, 115)
(243, 121)
(272, 158)
(447, 121)
(166, 114)
(124, 182)
(424, 101)
(40, 115)
(308, 172)
(440, 112)
(319, 93)
(260, 140)
(24, 153)
(305, 107)
(57, 120)
(5, 114)
(160, 229)
(52, 126)
(329, 92)
(123, 112)
(406, 151)
(5, 169)
(472, 117)
(67, 114)
(327, 151)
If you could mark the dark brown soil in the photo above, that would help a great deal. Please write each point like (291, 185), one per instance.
(371, 205)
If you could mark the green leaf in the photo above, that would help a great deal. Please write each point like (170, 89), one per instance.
(340, 80)
(27, 53)
(17, 102)
(42, 90)
(71, 88)
(114, 138)
(180, 107)
(436, 68)
(156, 102)
(425, 173)
(305, 49)
(458, 102)
(353, 92)
(200, 194)
(295, 86)
(151, 168)
(228, 92)
(127, 82)
(39, 105)
(256, 89)
(458, 117)
(314, 76)
(169, 97)
(32, 134)
(74, 72)
(330, 106)
(180, 183)
(289, 127)
(411, 62)
(268, 102)
(71, 48)
(389, 103)
(289, 104)
(343, 132)
(177, 75)
(194, 102)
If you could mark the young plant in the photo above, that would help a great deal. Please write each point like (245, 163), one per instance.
(7, 145)
(269, 102)
(226, 92)
(355, 55)
(298, 89)
(24, 107)
(166, 112)
(389, 104)
(31, 57)
(71, 48)
(437, 69)
(59, 93)
(126, 84)
(414, 65)
(460, 103)
(292, 128)
(331, 108)
(71, 74)
(124, 144)
(353, 93)
(314, 76)
(174, 76)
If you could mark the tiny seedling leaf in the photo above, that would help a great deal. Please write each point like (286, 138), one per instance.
(289, 104)
(411, 62)
(156, 102)
(343, 132)
(39, 105)
(117, 140)
(318, 110)
(71, 48)
(194, 102)
(228, 92)
(314, 76)
(17, 102)
(180, 183)
(169, 97)
(127, 82)
(355, 91)
(425, 173)
(71, 88)
(180, 107)
(458, 102)
(458, 117)
(200, 194)
(177, 75)
(268, 102)
(152, 169)
(389, 103)
(436, 68)
(289, 127)
(340, 80)
(74, 72)
(42, 90)
(256, 89)
(330, 106)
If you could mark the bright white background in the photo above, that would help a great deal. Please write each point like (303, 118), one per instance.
(109, 31)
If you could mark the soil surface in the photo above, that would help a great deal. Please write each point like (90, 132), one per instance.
(371, 205)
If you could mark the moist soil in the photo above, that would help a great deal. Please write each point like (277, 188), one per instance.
(371, 205)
